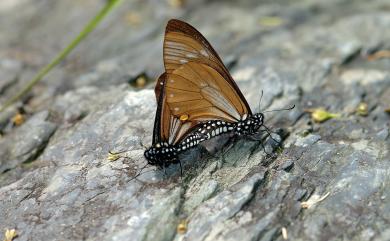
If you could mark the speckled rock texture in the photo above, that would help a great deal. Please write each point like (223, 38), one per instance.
(327, 181)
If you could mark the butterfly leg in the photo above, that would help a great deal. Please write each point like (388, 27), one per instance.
(263, 140)
(165, 171)
(113, 156)
(225, 149)
(181, 170)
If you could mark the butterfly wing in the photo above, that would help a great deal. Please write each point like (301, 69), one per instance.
(160, 118)
(184, 44)
(201, 93)
(196, 86)
(167, 126)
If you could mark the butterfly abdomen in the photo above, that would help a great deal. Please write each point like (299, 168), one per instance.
(206, 131)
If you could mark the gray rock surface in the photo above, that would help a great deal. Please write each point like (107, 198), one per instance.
(328, 181)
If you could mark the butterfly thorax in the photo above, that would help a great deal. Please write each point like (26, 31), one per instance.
(162, 154)
(249, 125)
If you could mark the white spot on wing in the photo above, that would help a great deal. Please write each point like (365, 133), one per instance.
(204, 53)
(190, 55)
(220, 101)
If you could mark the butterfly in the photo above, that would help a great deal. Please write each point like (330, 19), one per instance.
(197, 98)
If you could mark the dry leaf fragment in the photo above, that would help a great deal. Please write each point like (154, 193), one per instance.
(133, 18)
(113, 156)
(320, 114)
(10, 234)
(379, 55)
(284, 233)
(18, 119)
(314, 200)
(176, 3)
(362, 109)
(141, 81)
(270, 21)
(182, 227)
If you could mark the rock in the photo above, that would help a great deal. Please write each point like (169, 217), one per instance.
(205, 191)
(6, 117)
(26, 142)
(9, 69)
(206, 219)
(383, 134)
(287, 165)
(307, 140)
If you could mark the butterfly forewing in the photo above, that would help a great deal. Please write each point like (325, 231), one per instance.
(184, 44)
(201, 92)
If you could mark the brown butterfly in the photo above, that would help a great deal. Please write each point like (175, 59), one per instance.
(196, 97)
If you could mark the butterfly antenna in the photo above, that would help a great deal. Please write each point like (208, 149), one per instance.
(141, 143)
(261, 97)
(289, 108)
(165, 171)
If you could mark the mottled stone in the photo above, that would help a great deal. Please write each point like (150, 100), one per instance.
(324, 181)
(26, 142)
(203, 193)
(208, 216)
(307, 140)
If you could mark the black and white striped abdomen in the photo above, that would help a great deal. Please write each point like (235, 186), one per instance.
(206, 131)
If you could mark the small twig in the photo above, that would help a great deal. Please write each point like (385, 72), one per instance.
(379, 55)
(314, 200)
(284, 233)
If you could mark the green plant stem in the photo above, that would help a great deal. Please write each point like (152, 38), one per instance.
(87, 29)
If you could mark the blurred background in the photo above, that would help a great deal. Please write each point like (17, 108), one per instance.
(128, 43)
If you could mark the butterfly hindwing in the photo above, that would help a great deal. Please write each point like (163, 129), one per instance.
(167, 126)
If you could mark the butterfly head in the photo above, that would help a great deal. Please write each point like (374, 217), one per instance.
(161, 154)
(249, 125)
